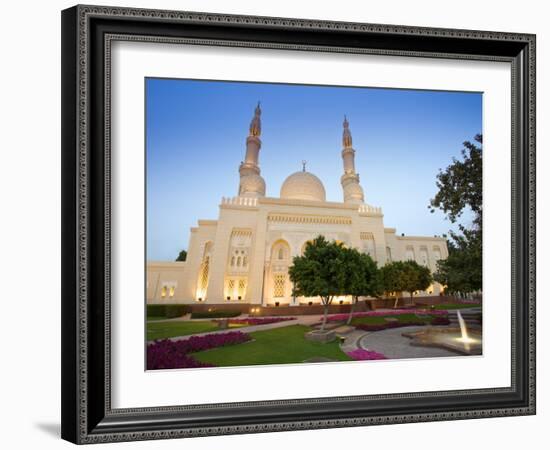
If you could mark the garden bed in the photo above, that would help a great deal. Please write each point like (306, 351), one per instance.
(167, 354)
(170, 329)
(276, 346)
(378, 322)
(258, 320)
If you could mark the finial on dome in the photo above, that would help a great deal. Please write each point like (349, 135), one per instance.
(304, 165)
(256, 124)
(346, 137)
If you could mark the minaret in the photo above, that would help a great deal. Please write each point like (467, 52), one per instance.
(353, 192)
(251, 183)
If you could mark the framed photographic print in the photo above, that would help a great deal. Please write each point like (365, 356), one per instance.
(268, 222)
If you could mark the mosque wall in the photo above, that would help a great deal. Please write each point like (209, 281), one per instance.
(244, 256)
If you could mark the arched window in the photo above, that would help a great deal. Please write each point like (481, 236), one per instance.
(239, 261)
(245, 261)
(279, 281)
(202, 282)
(242, 288)
(163, 292)
(388, 254)
(232, 261)
(280, 259)
(280, 251)
(204, 273)
(230, 288)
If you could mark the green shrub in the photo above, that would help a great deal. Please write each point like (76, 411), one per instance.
(172, 311)
(214, 314)
(167, 310)
(155, 310)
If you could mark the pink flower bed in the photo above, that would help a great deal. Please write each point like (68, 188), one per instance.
(168, 354)
(260, 320)
(360, 354)
(393, 312)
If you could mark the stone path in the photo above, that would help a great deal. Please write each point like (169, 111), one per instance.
(389, 342)
(395, 346)
(352, 340)
(300, 320)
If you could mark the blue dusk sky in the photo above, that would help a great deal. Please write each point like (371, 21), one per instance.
(196, 133)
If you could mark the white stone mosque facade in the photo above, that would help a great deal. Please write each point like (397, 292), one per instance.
(243, 257)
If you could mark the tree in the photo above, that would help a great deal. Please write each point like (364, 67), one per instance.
(460, 185)
(460, 190)
(182, 256)
(462, 270)
(415, 277)
(321, 271)
(399, 276)
(362, 277)
(392, 278)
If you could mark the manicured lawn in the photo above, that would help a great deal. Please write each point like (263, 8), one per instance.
(162, 330)
(375, 320)
(277, 346)
(154, 318)
(455, 306)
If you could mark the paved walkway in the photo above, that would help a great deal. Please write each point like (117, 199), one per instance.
(352, 340)
(300, 320)
(395, 346)
(389, 342)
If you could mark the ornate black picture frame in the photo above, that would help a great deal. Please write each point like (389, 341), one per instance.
(87, 33)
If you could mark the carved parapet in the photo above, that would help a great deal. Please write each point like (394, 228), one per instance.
(250, 202)
(369, 210)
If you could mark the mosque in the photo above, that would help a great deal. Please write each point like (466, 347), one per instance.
(243, 257)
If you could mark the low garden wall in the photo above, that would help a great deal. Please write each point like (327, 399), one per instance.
(286, 310)
(377, 303)
(283, 310)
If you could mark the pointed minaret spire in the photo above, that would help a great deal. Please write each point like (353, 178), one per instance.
(346, 137)
(251, 183)
(348, 153)
(256, 123)
(353, 192)
(304, 162)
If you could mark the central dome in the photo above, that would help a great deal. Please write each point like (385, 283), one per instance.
(303, 186)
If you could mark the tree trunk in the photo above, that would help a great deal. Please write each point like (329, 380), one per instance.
(396, 301)
(353, 303)
(325, 314)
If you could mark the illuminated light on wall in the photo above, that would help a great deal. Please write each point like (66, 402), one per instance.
(344, 299)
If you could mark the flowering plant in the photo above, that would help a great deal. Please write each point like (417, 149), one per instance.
(361, 354)
(168, 354)
(260, 320)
